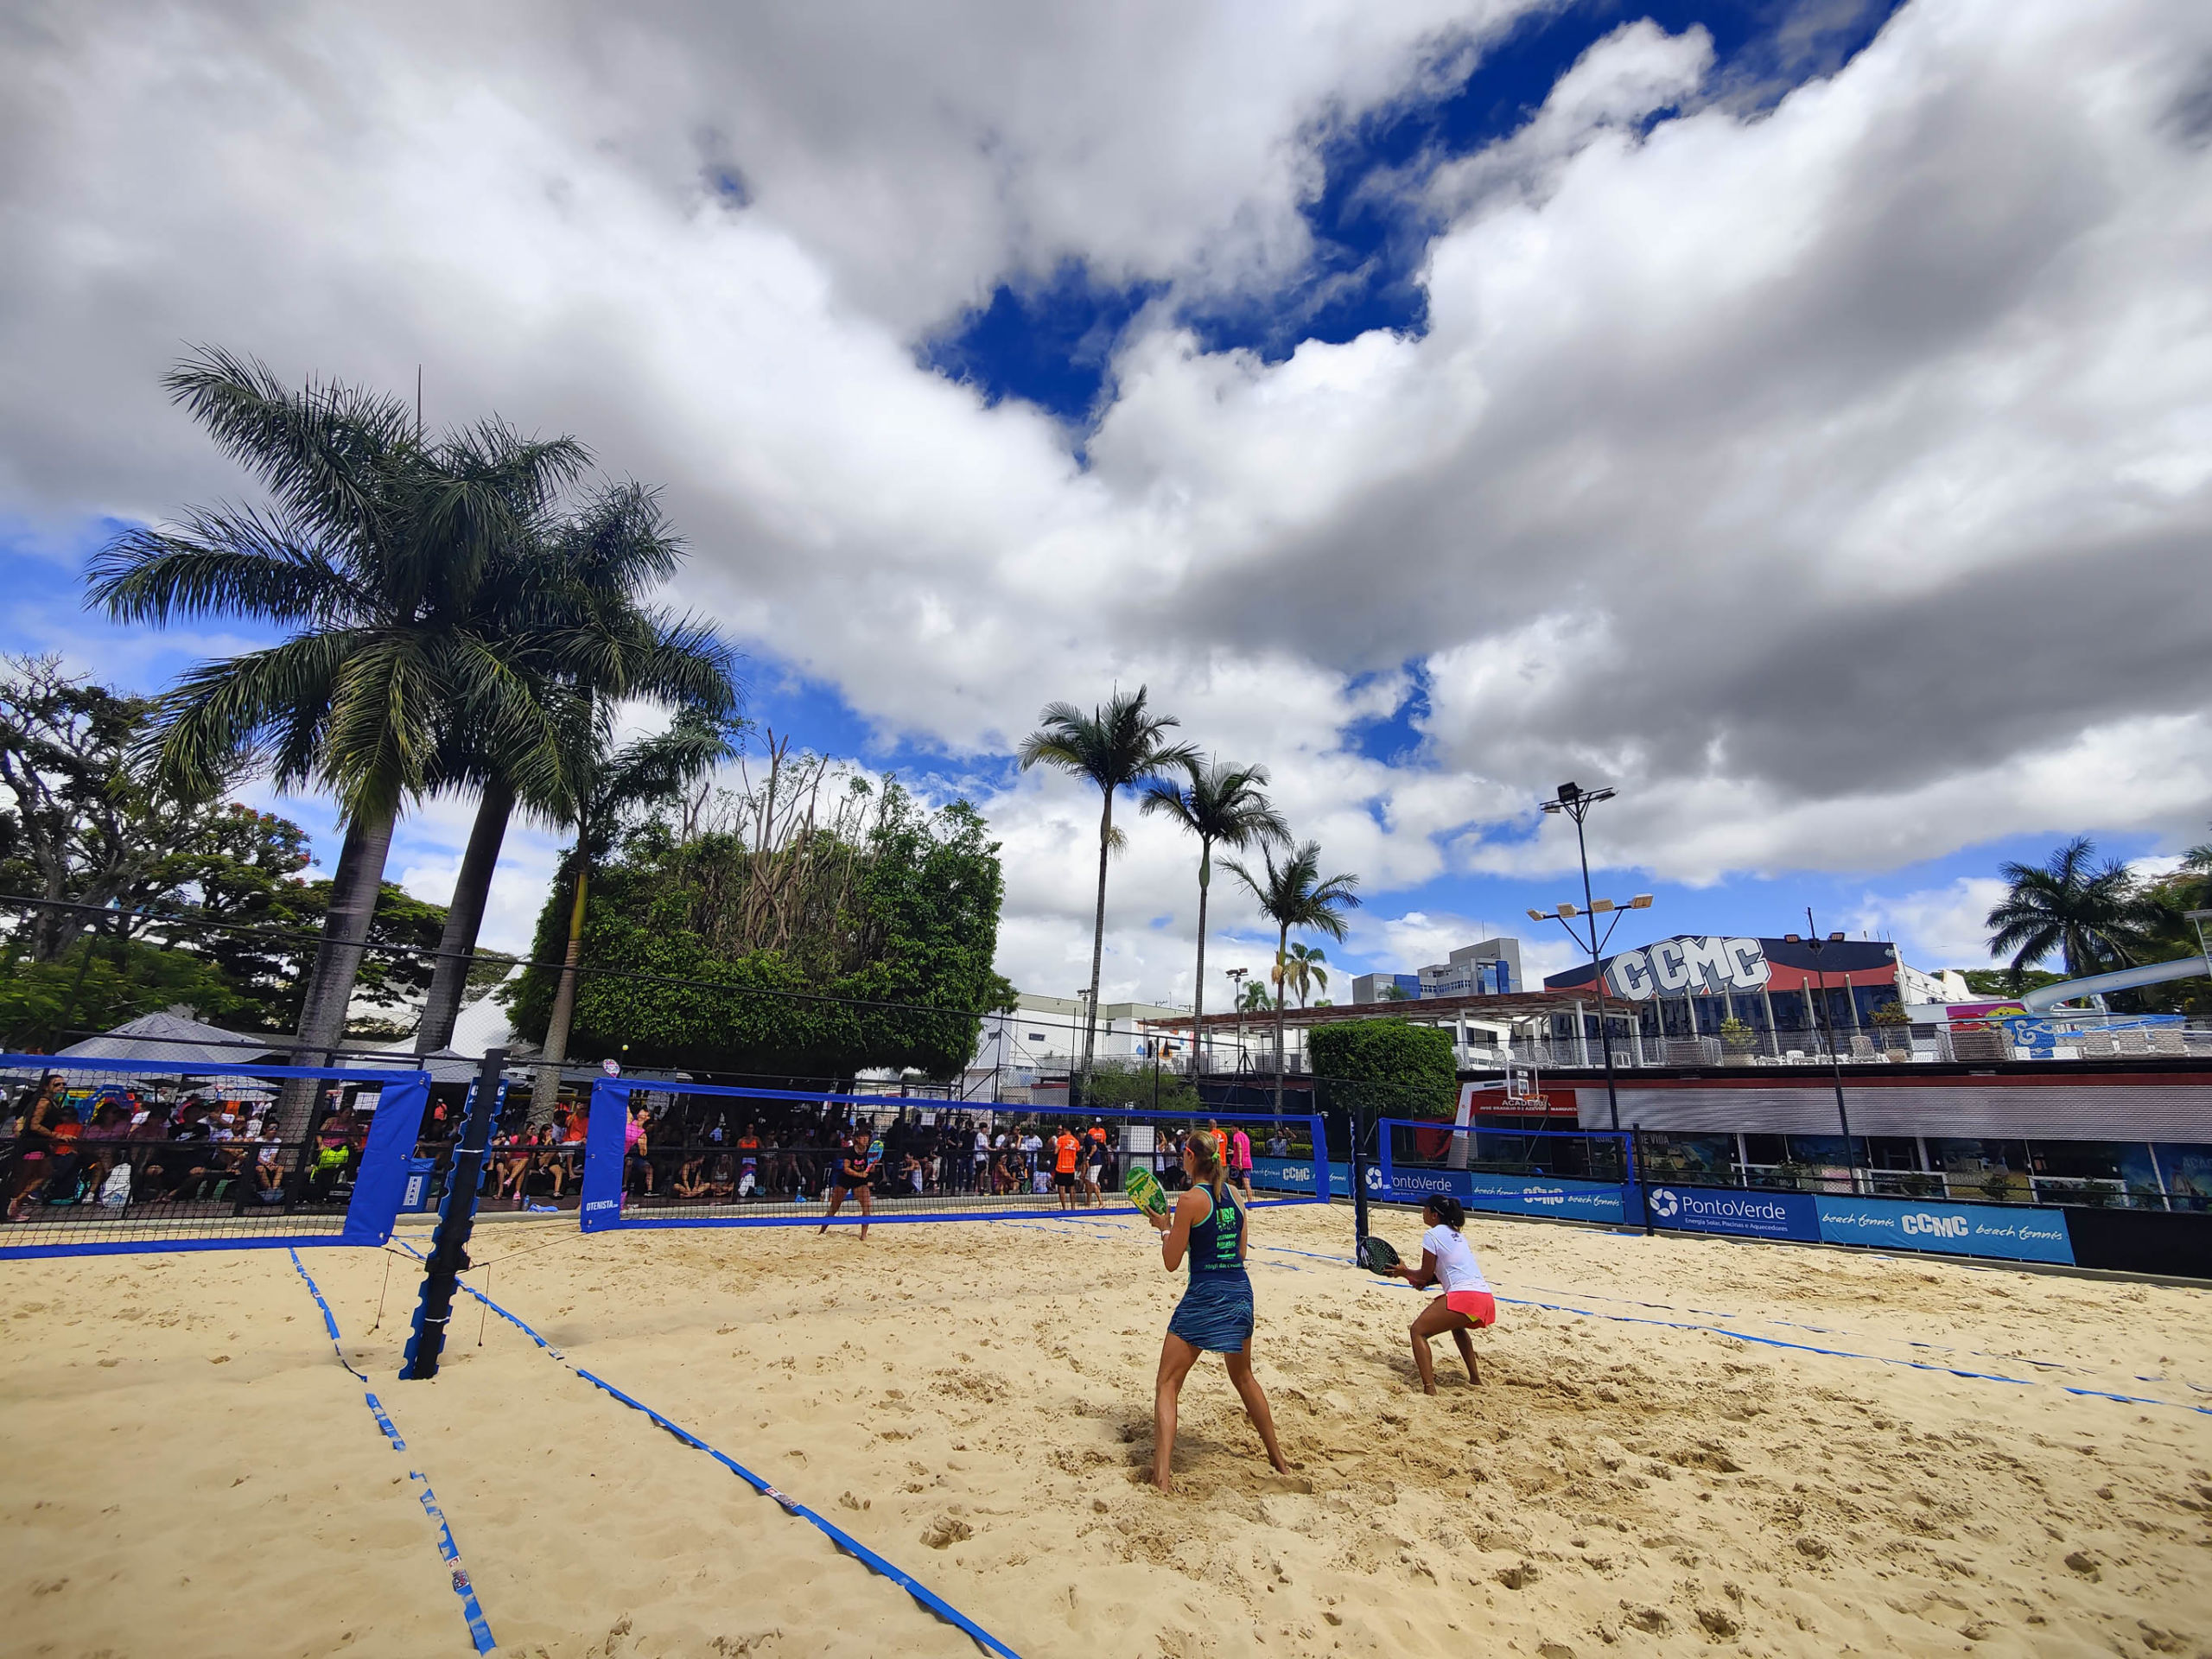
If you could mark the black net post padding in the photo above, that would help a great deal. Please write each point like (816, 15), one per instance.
(1643, 1179)
(1359, 1174)
(456, 1218)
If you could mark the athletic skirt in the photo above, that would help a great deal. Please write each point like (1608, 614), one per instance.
(1216, 1312)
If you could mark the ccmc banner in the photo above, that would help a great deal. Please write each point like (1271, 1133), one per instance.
(2008, 1231)
(1741, 1215)
(1526, 1195)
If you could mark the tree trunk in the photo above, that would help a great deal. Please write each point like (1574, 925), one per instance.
(1097, 939)
(546, 1093)
(465, 918)
(353, 893)
(1199, 986)
(1282, 945)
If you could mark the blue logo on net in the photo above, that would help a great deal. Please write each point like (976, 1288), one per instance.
(1742, 1215)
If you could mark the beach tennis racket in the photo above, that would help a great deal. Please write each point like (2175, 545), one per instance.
(875, 1150)
(1145, 1191)
(1377, 1254)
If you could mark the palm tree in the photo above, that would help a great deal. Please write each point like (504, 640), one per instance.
(1295, 895)
(2088, 914)
(1119, 745)
(1302, 968)
(609, 784)
(1222, 805)
(567, 603)
(372, 551)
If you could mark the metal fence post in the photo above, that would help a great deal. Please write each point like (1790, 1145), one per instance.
(1643, 1181)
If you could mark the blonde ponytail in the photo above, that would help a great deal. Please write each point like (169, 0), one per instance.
(1205, 1152)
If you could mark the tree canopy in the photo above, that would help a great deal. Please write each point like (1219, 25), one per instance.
(876, 918)
(1391, 1068)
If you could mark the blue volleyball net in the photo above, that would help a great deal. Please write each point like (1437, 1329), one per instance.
(665, 1155)
(114, 1156)
(1562, 1175)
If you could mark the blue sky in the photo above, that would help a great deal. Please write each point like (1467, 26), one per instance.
(1431, 404)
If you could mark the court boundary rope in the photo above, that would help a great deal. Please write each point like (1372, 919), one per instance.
(838, 1536)
(480, 1632)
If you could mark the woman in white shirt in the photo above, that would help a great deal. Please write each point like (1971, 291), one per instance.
(1466, 1303)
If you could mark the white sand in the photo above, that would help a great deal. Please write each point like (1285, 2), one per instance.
(974, 1401)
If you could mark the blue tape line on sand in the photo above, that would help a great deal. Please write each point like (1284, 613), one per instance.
(836, 1534)
(479, 1631)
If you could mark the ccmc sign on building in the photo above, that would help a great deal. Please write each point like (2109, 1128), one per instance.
(1720, 965)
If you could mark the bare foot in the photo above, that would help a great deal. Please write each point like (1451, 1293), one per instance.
(1165, 1482)
(1282, 1466)
(1428, 1387)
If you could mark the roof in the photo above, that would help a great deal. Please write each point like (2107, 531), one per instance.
(175, 1036)
(1512, 1005)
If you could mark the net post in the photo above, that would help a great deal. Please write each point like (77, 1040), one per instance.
(599, 1190)
(1317, 1131)
(1358, 1172)
(1643, 1186)
(456, 1218)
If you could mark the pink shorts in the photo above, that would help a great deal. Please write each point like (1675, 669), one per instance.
(1477, 1305)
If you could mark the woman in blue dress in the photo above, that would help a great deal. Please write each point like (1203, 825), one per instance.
(1215, 1316)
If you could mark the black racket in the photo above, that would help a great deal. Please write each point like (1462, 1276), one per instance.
(1376, 1254)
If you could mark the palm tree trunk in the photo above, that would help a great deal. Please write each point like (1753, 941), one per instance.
(354, 891)
(465, 918)
(1097, 939)
(1282, 945)
(547, 1090)
(1199, 986)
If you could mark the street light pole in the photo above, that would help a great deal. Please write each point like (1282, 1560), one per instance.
(1236, 996)
(1576, 802)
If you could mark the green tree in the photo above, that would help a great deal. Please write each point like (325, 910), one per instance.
(100, 980)
(87, 824)
(1295, 895)
(1302, 971)
(2089, 915)
(1223, 805)
(608, 787)
(564, 600)
(882, 956)
(1125, 1086)
(372, 551)
(1386, 1068)
(1120, 744)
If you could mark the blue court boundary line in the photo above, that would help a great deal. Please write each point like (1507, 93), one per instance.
(479, 1631)
(836, 1534)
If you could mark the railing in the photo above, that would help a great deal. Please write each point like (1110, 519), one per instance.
(1987, 1186)
(1963, 1042)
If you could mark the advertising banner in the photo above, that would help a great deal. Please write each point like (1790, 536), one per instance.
(1531, 1195)
(2012, 1232)
(1741, 1215)
(1296, 1175)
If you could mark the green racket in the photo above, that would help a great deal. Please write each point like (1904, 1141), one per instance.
(1145, 1191)
(1376, 1254)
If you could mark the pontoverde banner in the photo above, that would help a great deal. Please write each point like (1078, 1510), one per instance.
(1739, 1214)
(2013, 1231)
(1527, 1195)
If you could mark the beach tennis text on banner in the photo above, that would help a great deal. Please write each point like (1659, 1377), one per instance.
(2009, 1230)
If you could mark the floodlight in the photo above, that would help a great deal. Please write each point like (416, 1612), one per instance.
(1835, 938)
(1642, 902)
(1568, 909)
(1538, 915)
(1600, 903)
(1569, 791)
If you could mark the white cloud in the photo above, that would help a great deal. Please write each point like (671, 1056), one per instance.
(1831, 477)
(1936, 927)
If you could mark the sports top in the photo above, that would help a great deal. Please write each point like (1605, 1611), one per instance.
(1064, 1154)
(1213, 1241)
(1456, 1268)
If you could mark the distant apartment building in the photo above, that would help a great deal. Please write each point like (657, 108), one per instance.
(1492, 967)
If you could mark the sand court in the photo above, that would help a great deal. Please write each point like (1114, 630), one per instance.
(193, 1471)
